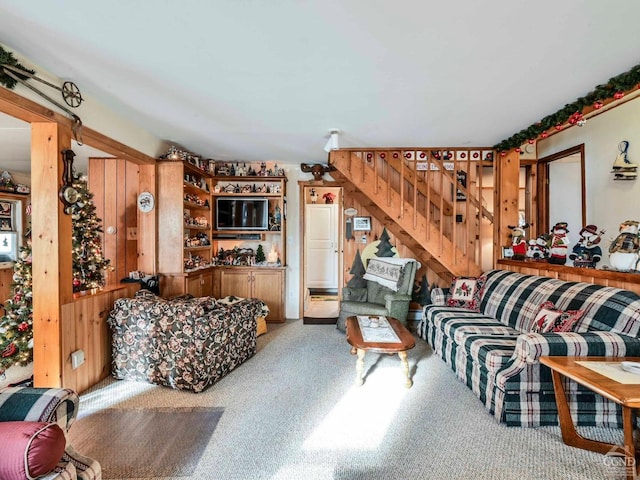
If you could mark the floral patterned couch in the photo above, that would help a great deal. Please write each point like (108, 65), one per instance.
(185, 343)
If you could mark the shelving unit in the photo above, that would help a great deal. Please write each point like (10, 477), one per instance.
(261, 281)
(184, 223)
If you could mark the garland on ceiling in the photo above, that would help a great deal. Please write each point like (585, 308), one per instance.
(572, 113)
(7, 58)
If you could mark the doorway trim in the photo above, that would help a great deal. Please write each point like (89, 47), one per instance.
(304, 186)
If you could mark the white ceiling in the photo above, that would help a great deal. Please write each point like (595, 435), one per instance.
(266, 80)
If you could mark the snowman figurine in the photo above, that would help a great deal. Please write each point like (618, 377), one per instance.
(559, 244)
(538, 249)
(624, 249)
(587, 252)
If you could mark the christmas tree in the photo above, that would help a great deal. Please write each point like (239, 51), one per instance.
(16, 326)
(88, 263)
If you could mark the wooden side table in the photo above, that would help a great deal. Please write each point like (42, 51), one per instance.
(625, 395)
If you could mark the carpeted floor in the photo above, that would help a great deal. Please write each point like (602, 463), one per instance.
(146, 443)
(293, 412)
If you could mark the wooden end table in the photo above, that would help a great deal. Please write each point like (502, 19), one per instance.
(625, 395)
(355, 339)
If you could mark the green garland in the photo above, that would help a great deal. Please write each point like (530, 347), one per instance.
(7, 58)
(616, 86)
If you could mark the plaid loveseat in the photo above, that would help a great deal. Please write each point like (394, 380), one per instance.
(495, 354)
(50, 405)
(185, 343)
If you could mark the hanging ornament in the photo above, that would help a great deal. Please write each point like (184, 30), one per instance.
(598, 104)
(618, 95)
(23, 327)
(9, 351)
(544, 134)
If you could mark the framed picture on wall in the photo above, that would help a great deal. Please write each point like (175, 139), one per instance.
(362, 224)
(5, 209)
(5, 225)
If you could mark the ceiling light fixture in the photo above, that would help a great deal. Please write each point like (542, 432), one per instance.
(332, 143)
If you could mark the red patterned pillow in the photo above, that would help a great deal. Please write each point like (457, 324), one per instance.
(29, 449)
(465, 292)
(550, 319)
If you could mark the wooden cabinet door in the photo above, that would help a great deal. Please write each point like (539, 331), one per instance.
(268, 286)
(193, 285)
(206, 283)
(235, 282)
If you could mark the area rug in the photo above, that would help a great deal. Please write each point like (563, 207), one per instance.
(145, 443)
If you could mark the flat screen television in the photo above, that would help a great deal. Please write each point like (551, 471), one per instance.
(242, 213)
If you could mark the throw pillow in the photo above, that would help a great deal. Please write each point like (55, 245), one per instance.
(550, 319)
(385, 271)
(29, 449)
(465, 292)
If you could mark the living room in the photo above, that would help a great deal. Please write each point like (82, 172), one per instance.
(601, 140)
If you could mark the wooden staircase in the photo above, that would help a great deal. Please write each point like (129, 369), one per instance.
(411, 191)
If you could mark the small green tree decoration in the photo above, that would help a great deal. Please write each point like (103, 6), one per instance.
(385, 249)
(260, 254)
(358, 271)
(89, 265)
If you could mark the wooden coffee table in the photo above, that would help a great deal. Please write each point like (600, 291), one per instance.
(356, 340)
(625, 395)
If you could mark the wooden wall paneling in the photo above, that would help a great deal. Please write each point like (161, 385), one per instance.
(110, 218)
(146, 222)
(52, 269)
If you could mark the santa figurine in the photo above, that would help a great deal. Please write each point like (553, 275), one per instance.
(624, 249)
(559, 244)
(587, 253)
(518, 242)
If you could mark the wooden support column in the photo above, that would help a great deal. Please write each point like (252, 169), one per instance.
(51, 243)
(147, 231)
(506, 174)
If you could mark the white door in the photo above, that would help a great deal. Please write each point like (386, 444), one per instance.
(321, 249)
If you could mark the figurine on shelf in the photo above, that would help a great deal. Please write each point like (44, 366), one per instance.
(559, 244)
(538, 249)
(518, 242)
(329, 197)
(587, 253)
(624, 249)
(314, 195)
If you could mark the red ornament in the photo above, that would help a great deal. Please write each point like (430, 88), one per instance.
(422, 155)
(17, 297)
(518, 150)
(544, 134)
(395, 154)
(531, 141)
(23, 327)
(503, 153)
(618, 95)
(76, 282)
(558, 127)
(598, 104)
(382, 155)
(10, 350)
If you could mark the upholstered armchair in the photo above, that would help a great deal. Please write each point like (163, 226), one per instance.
(387, 286)
(33, 427)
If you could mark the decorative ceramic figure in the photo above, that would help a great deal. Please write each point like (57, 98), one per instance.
(518, 242)
(559, 244)
(587, 253)
(624, 249)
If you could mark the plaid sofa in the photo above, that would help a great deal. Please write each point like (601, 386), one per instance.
(185, 343)
(56, 405)
(496, 356)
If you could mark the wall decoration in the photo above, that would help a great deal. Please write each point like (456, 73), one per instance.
(362, 224)
(5, 209)
(5, 225)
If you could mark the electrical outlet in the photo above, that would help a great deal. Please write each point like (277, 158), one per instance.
(77, 359)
